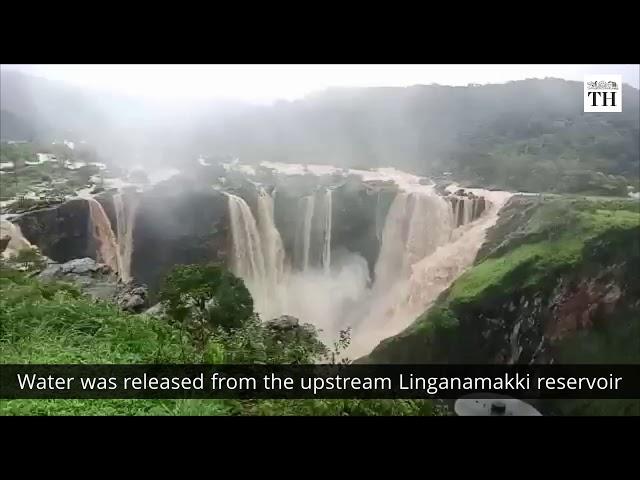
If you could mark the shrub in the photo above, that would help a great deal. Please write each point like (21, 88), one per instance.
(206, 293)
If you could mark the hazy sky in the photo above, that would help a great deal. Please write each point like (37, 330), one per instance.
(267, 83)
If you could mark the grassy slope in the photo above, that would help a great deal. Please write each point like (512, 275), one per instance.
(556, 238)
(55, 324)
(560, 231)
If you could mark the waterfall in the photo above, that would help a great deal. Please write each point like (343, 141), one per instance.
(416, 224)
(303, 233)
(468, 210)
(434, 273)
(326, 233)
(247, 257)
(273, 248)
(422, 253)
(425, 242)
(125, 220)
(390, 259)
(379, 217)
(454, 209)
(107, 247)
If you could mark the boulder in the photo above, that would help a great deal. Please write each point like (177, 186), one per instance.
(132, 298)
(95, 279)
(98, 281)
(283, 323)
(156, 310)
(287, 328)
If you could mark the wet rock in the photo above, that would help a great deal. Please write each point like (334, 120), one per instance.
(283, 323)
(61, 232)
(98, 281)
(177, 226)
(95, 279)
(132, 298)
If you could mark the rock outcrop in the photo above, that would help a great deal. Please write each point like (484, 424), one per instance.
(178, 224)
(93, 278)
(132, 298)
(98, 281)
(287, 327)
(61, 232)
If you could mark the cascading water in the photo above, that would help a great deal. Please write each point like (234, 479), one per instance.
(468, 211)
(391, 257)
(416, 224)
(327, 208)
(273, 249)
(248, 258)
(426, 242)
(107, 247)
(379, 216)
(125, 221)
(303, 237)
(401, 294)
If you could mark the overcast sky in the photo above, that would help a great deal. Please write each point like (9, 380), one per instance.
(267, 83)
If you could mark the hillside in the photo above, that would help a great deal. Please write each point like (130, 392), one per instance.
(527, 135)
(555, 282)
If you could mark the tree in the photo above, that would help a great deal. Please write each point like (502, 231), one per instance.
(207, 292)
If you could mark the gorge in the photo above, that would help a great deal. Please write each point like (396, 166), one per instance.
(367, 250)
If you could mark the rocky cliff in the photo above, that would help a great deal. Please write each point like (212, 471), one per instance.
(178, 224)
(61, 232)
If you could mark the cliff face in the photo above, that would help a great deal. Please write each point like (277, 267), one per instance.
(61, 232)
(358, 210)
(555, 278)
(176, 227)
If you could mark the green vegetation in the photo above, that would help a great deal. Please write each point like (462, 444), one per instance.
(54, 323)
(217, 296)
(553, 241)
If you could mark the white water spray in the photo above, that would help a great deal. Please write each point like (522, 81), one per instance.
(303, 237)
(326, 231)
